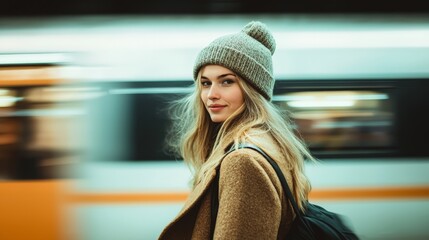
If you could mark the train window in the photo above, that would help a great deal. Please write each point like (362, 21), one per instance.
(341, 122)
(151, 123)
(368, 119)
(130, 123)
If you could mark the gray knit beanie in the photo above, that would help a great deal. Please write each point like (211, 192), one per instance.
(247, 53)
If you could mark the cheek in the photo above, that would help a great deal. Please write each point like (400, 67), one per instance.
(203, 96)
(240, 97)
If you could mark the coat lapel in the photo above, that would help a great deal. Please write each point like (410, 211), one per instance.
(198, 192)
(193, 198)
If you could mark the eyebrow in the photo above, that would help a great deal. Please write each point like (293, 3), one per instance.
(221, 76)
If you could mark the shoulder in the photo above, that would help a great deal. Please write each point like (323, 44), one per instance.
(247, 165)
(242, 159)
(247, 157)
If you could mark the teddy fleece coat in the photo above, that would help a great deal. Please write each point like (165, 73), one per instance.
(251, 201)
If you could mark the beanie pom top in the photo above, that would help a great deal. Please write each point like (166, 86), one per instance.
(260, 32)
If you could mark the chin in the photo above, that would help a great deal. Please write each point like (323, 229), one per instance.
(217, 119)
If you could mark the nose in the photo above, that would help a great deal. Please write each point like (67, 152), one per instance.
(213, 92)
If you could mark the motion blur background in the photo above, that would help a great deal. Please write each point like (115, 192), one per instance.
(84, 87)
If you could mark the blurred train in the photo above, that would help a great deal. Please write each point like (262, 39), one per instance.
(83, 118)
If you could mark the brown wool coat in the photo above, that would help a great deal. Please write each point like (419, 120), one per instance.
(251, 201)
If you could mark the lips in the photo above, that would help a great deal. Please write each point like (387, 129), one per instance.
(216, 107)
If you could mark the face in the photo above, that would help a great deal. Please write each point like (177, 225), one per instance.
(220, 92)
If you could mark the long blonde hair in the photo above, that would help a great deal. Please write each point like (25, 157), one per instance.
(202, 143)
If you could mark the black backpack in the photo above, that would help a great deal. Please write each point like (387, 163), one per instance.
(314, 223)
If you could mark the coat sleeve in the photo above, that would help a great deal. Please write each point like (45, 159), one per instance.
(249, 204)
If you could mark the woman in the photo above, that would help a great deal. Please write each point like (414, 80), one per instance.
(231, 105)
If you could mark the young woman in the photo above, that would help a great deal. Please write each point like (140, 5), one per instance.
(230, 106)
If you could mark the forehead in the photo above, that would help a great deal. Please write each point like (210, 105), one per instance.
(214, 71)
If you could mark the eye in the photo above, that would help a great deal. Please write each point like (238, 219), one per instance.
(205, 83)
(227, 82)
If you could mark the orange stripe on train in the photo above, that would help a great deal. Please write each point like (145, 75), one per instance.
(410, 192)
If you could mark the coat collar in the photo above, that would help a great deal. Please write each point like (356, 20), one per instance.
(200, 189)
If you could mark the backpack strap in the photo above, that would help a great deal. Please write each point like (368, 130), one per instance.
(280, 175)
(215, 189)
